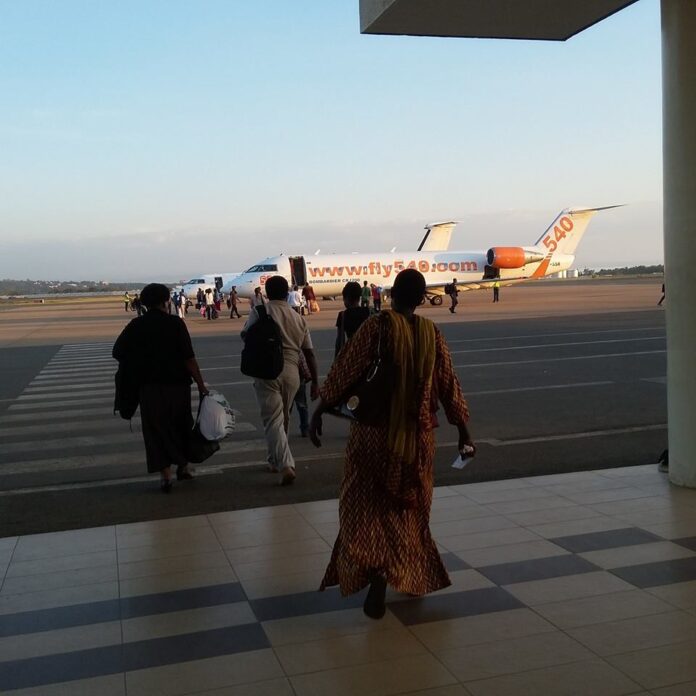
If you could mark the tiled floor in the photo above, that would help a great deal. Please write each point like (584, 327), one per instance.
(565, 585)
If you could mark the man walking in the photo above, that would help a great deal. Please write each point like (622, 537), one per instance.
(234, 297)
(377, 297)
(295, 300)
(496, 291)
(365, 295)
(275, 396)
(310, 297)
(454, 292)
(659, 304)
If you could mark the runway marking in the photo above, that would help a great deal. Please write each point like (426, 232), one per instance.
(656, 380)
(541, 387)
(558, 345)
(60, 394)
(554, 335)
(37, 389)
(574, 357)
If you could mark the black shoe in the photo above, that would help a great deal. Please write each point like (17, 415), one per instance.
(166, 486)
(184, 475)
(374, 605)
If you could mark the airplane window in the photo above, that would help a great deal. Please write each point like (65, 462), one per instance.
(262, 268)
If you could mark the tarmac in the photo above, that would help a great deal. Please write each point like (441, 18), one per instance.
(561, 376)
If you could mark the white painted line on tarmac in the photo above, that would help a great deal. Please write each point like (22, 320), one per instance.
(554, 335)
(542, 387)
(41, 388)
(574, 357)
(558, 345)
(61, 394)
(656, 380)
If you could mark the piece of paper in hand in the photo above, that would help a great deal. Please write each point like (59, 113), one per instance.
(460, 463)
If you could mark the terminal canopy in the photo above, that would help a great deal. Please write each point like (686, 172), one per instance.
(554, 20)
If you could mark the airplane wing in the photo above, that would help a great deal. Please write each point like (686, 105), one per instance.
(439, 289)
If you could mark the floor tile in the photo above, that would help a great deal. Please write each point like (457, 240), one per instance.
(187, 538)
(20, 647)
(487, 539)
(8, 543)
(616, 637)
(495, 495)
(637, 554)
(286, 606)
(656, 667)
(166, 549)
(452, 690)
(232, 537)
(576, 527)
(284, 566)
(204, 675)
(272, 687)
(275, 586)
(58, 580)
(602, 608)
(590, 678)
(473, 662)
(172, 564)
(173, 524)
(659, 573)
(687, 542)
(302, 629)
(66, 596)
(685, 689)
(252, 554)
(546, 516)
(679, 594)
(501, 485)
(61, 563)
(673, 530)
(460, 512)
(255, 515)
(510, 553)
(376, 679)
(595, 541)
(30, 548)
(181, 600)
(453, 562)
(153, 584)
(112, 685)
(438, 636)
(552, 502)
(606, 495)
(188, 621)
(470, 526)
(451, 606)
(537, 569)
(356, 649)
(539, 592)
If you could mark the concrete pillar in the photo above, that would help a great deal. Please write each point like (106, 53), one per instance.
(679, 150)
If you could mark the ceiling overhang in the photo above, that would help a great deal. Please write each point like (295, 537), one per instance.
(550, 20)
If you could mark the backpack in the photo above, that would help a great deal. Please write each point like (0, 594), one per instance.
(449, 288)
(262, 355)
(127, 392)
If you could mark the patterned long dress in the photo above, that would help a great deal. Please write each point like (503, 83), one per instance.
(375, 534)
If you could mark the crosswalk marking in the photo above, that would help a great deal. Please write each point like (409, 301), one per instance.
(67, 408)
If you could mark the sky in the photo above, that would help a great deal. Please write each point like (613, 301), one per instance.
(161, 139)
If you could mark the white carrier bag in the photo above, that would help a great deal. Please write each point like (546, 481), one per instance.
(216, 419)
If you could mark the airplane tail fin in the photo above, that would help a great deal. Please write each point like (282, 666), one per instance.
(437, 236)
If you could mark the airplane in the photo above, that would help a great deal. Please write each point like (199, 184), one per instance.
(204, 281)
(554, 251)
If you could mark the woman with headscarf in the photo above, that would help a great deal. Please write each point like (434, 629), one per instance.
(156, 349)
(384, 508)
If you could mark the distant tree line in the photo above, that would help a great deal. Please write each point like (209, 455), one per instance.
(625, 271)
(52, 287)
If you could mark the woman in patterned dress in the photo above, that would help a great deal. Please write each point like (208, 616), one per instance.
(384, 509)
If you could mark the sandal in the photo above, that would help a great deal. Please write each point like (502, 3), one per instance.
(288, 477)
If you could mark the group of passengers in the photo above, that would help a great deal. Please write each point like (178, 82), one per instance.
(386, 494)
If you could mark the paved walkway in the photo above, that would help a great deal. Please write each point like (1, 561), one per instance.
(573, 584)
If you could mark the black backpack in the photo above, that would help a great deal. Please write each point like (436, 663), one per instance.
(262, 355)
(449, 288)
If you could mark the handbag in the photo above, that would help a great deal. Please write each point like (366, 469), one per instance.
(198, 449)
(368, 401)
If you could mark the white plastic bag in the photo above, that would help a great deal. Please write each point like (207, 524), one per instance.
(216, 419)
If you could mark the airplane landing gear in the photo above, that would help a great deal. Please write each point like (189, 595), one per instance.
(436, 300)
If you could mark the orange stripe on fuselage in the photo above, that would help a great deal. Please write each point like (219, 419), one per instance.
(543, 267)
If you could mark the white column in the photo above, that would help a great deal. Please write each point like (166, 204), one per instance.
(679, 150)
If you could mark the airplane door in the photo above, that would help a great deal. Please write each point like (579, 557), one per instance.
(298, 270)
(489, 273)
(218, 282)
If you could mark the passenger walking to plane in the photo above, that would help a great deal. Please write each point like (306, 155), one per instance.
(496, 291)
(384, 508)
(137, 304)
(366, 295)
(257, 299)
(234, 298)
(157, 348)
(454, 295)
(310, 297)
(209, 305)
(350, 319)
(295, 300)
(662, 299)
(275, 396)
(127, 302)
(376, 297)
(200, 298)
(179, 302)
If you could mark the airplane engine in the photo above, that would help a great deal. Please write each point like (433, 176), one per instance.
(512, 257)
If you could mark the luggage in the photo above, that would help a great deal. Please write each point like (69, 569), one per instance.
(262, 355)
(314, 306)
(215, 417)
(127, 392)
(198, 447)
